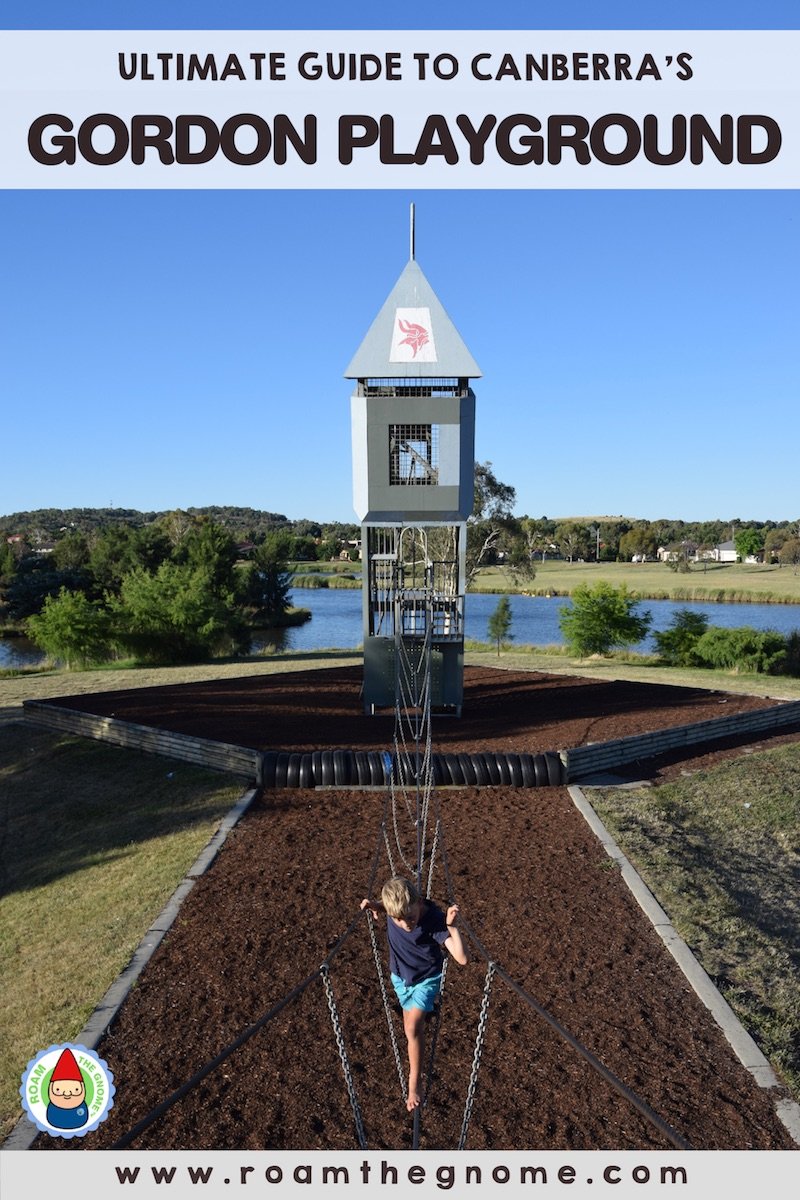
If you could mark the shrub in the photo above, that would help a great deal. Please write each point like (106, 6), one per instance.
(72, 629)
(601, 618)
(742, 649)
(791, 664)
(309, 581)
(676, 645)
(500, 623)
(176, 615)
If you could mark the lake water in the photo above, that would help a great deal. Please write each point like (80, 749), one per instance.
(336, 621)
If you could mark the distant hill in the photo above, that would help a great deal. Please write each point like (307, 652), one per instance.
(52, 521)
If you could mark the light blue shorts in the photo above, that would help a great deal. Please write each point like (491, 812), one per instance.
(417, 995)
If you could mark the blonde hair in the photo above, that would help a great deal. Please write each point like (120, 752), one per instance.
(399, 898)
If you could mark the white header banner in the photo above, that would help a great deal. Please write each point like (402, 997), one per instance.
(400, 109)
(401, 1175)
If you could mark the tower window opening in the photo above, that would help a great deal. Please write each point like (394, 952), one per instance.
(414, 454)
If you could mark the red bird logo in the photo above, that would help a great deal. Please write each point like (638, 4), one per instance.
(416, 335)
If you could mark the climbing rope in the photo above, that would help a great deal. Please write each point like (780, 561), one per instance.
(476, 1057)
(348, 1074)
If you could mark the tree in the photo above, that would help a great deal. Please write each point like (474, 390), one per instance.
(790, 553)
(8, 567)
(640, 541)
(601, 618)
(572, 540)
(71, 552)
(538, 535)
(679, 553)
(500, 623)
(119, 549)
(328, 549)
(773, 543)
(265, 585)
(748, 543)
(491, 515)
(176, 615)
(35, 579)
(72, 629)
(210, 548)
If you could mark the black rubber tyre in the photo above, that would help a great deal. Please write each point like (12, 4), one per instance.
(468, 769)
(504, 769)
(361, 765)
(554, 771)
(492, 769)
(316, 768)
(440, 776)
(526, 765)
(268, 761)
(376, 769)
(515, 769)
(327, 768)
(305, 776)
(454, 769)
(281, 767)
(481, 770)
(293, 771)
(341, 767)
(540, 770)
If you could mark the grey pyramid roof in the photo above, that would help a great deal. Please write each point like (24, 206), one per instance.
(400, 345)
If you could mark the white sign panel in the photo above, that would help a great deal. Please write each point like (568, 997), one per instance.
(397, 109)
(412, 336)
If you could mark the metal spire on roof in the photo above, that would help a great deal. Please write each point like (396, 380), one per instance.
(411, 231)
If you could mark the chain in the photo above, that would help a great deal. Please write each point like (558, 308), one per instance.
(388, 849)
(406, 863)
(434, 1037)
(476, 1058)
(434, 848)
(386, 1008)
(348, 1074)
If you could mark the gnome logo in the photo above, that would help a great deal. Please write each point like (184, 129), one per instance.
(67, 1094)
(67, 1091)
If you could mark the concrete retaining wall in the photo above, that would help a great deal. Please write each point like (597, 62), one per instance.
(583, 761)
(220, 756)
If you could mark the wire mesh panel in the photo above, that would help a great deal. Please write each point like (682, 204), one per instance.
(414, 454)
(413, 576)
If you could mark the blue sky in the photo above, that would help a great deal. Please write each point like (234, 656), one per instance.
(167, 349)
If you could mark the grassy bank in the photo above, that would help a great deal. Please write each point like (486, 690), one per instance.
(45, 684)
(642, 668)
(718, 583)
(720, 851)
(96, 840)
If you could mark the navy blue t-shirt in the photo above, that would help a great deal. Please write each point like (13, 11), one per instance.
(417, 955)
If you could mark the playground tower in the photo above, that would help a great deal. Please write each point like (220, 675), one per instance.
(413, 431)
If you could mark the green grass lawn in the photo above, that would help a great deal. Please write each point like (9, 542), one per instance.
(641, 668)
(720, 849)
(655, 581)
(95, 840)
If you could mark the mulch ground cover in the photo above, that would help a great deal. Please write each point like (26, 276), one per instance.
(504, 711)
(533, 883)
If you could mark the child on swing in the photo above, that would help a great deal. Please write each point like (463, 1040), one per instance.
(417, 931)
